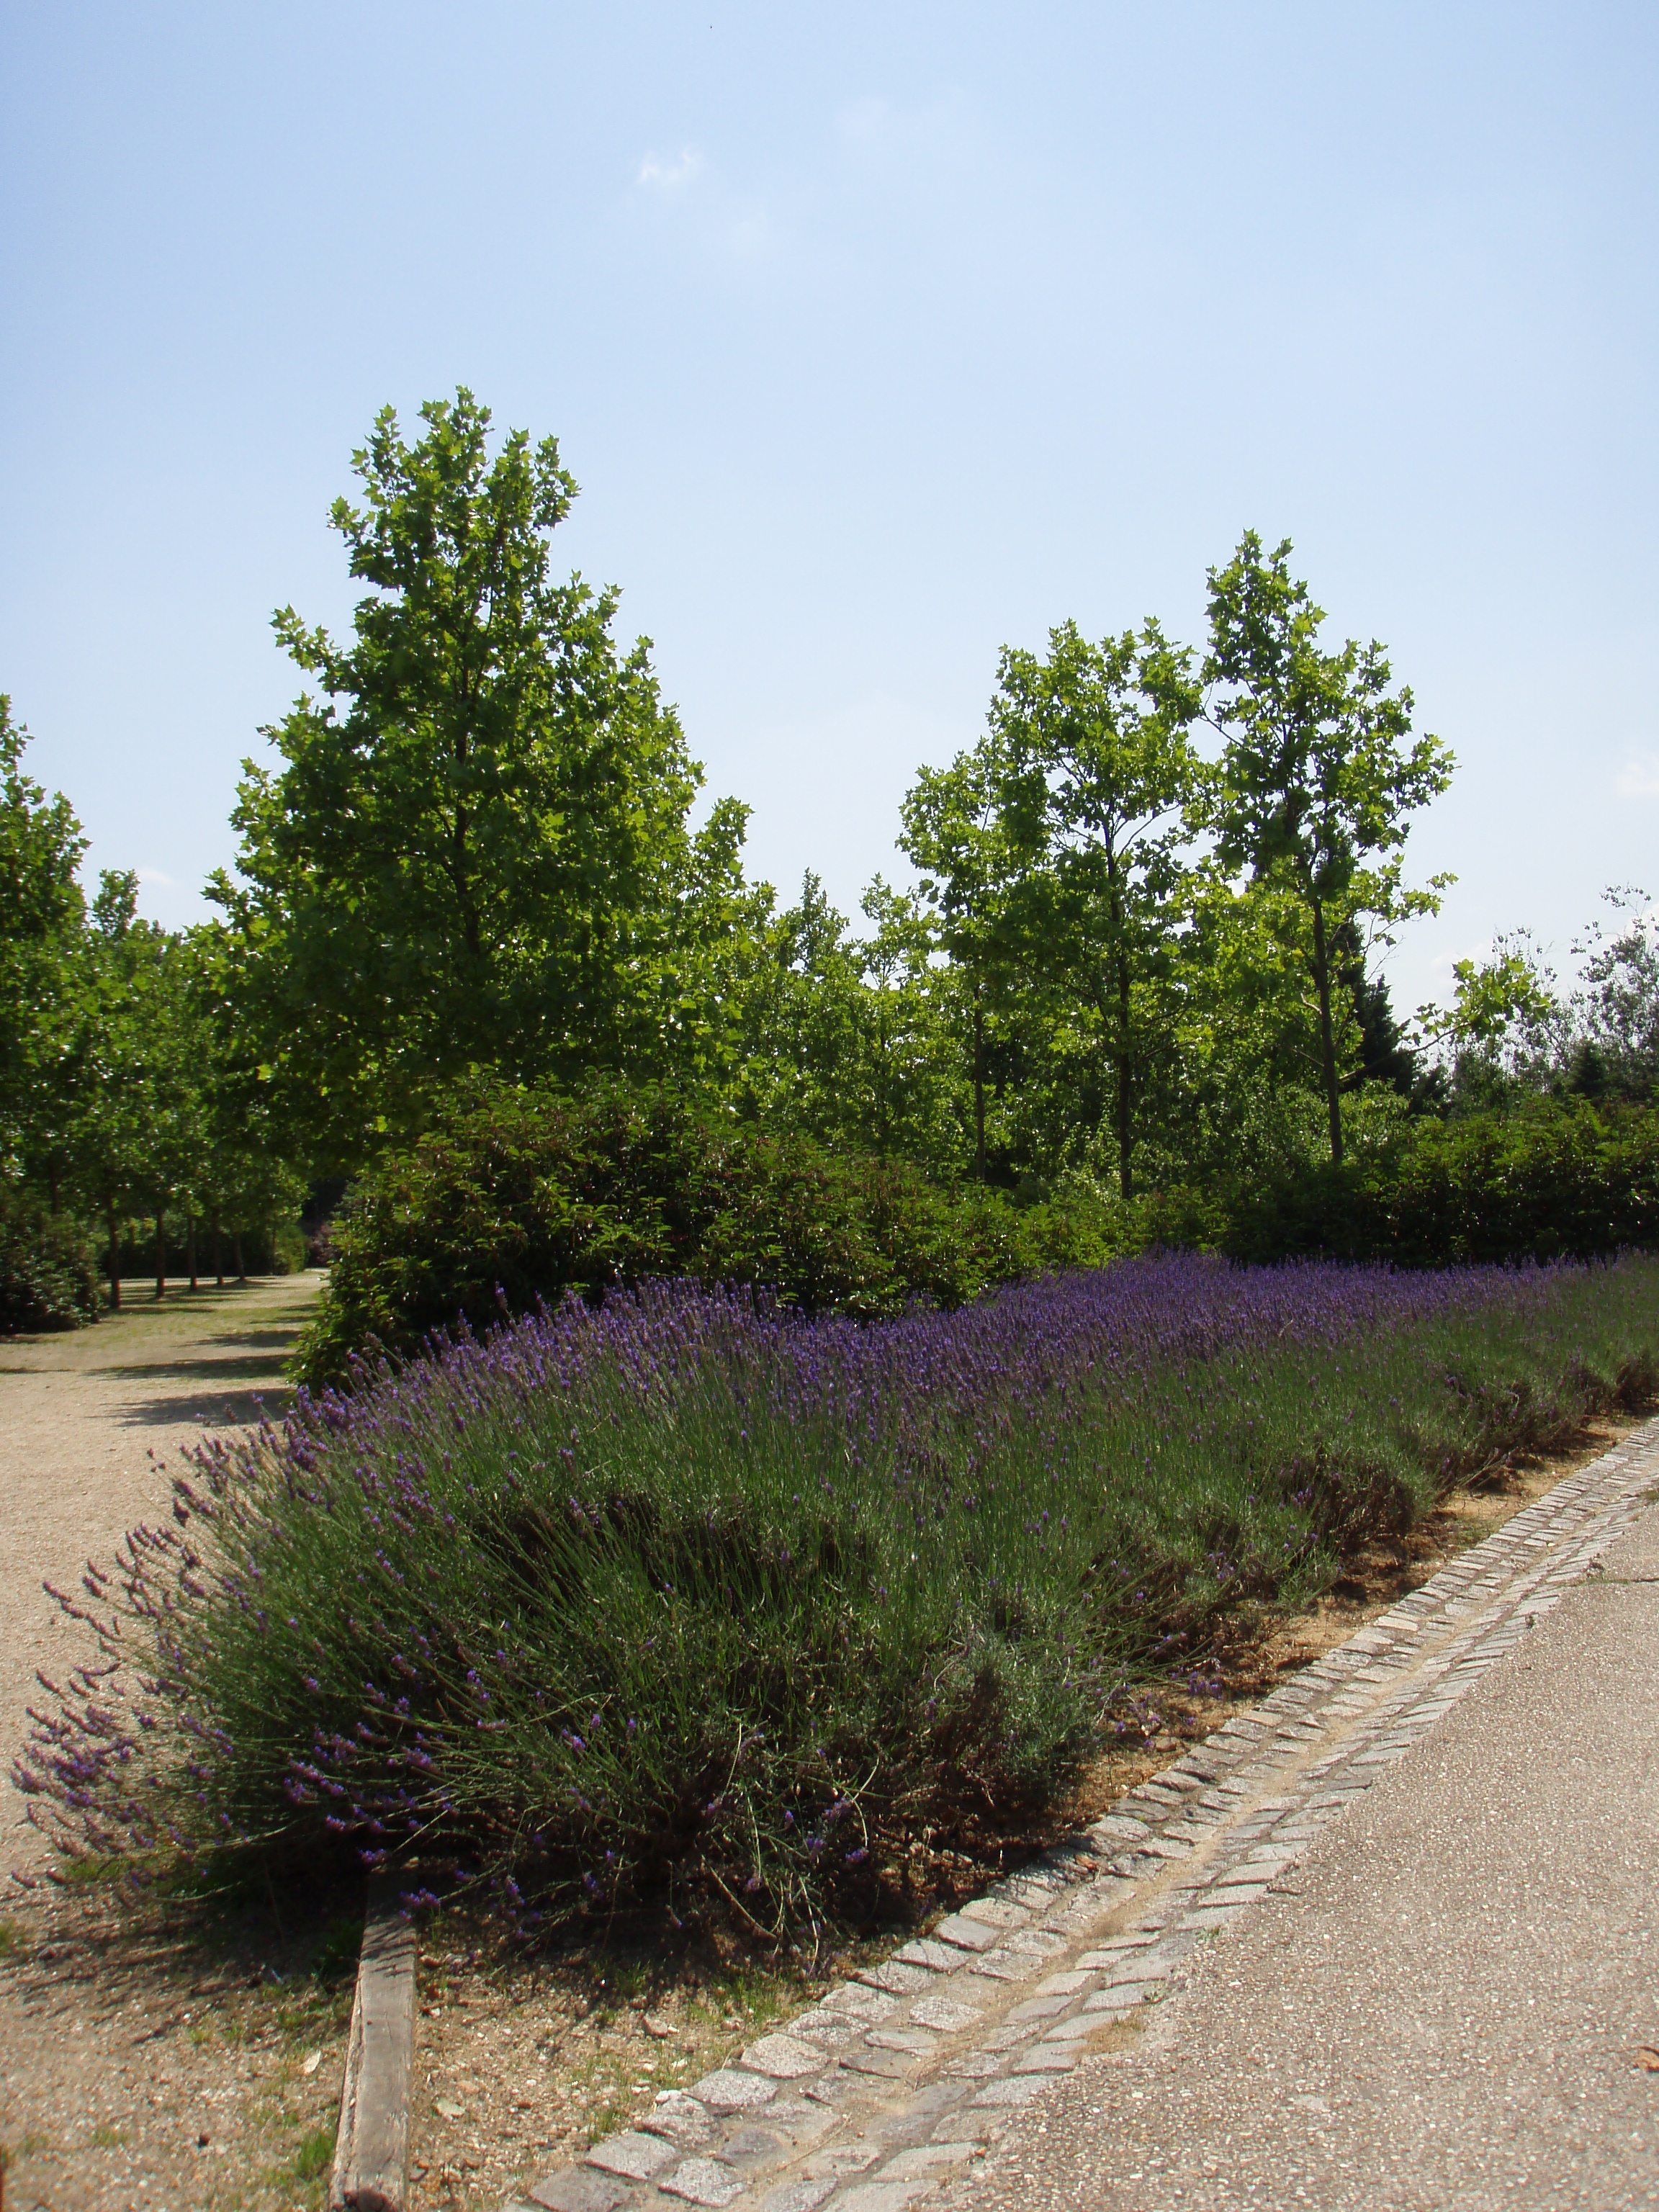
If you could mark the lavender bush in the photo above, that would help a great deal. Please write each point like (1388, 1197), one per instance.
(687, 1593)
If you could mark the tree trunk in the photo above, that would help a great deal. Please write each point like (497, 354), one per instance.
(1125, 1174)
(978, 1086)
(191, 1235)
(236, 1251)
(114, 1261)
(218, 1251)
(1327, 1034)
(161, 1252)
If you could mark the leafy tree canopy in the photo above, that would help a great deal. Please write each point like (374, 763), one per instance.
(477, 853)
(1320, 769)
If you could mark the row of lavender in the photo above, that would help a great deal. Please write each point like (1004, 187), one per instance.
(688, 1594)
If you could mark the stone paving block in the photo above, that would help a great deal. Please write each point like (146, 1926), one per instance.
(1001, 1967)
(1210, 1916)
(802, 2195)
(1034, 1892)
(784, 2058)
(703, 2181)
(860, 2058)
(1035, 1946)
(938, 1958)
(1014, 2088)
(922, 2104)
(903, 2039)
(966, 2126)
(633, 2156)
(1039, 2008)
(680, 2117)
(860, 1999)
(829, 2028)
(576, 2191)
(832, 2089)
(902, 1980)
(802, 2121)
(1047, 2058)
(927, 2159)
(1127, 1993)
(995, 1912)
(966, 1935)
(1105, 1957)
(727, 2090)
(975, 2065)
(1063, 1986)
(880, 2195)
(946, 2014)
(749, 2144)
(845, 2158)
(1237, 1890)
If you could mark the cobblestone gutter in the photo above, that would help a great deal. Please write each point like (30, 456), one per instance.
(900, 2078)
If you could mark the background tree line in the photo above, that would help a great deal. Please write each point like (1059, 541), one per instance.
(1138, 956)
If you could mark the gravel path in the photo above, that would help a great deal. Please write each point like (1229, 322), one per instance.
(90, 1425)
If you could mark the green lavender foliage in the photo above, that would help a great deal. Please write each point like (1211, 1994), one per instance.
(685, 1598)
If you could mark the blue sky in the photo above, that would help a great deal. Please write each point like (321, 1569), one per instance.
(876, 337)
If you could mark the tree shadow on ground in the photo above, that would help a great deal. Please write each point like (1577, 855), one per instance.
(253, 1370)
(207, 1409)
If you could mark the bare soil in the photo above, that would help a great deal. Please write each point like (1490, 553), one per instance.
(190, 2053)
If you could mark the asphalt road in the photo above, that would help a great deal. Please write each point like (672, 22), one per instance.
(1445, 2004)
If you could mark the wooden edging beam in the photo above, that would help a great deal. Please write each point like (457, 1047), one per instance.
(371, 2151)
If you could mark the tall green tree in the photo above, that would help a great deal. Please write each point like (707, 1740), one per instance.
(143, 1127)
(477, 853)
(1319, 770)
(1098, 777)
(41, 915)
(956, 833)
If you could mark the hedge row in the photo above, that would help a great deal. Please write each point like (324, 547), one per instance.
(1563, 1180)
(48, 1269)
(522, 1196)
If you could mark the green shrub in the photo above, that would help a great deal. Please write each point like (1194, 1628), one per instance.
(522, 1195)
(48, 1269)
(1562, 1180)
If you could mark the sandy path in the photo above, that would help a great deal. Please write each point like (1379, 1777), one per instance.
(91, 1425)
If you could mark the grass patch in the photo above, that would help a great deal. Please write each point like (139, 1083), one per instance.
(688, 1601)
(314, 2156)
(338, 1948)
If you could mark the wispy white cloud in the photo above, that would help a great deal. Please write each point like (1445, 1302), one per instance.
(1639, 777)
(157, 876)
(664, 175)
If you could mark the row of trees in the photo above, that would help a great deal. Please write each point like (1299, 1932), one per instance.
(1516, 1034)
(477, 854)
(121, 1089)
(1138, 946)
